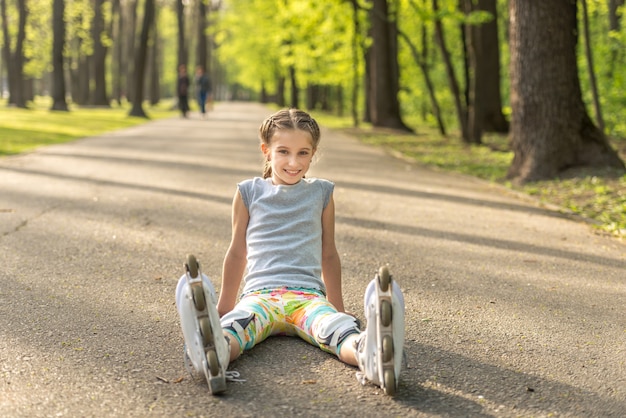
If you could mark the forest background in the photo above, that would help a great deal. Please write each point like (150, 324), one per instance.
(528, 94)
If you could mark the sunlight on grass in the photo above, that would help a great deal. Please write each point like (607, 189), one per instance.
(601, 199)
(26, 129)
(430, 148)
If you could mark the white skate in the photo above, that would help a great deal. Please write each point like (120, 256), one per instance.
(206, 347)
(380, 346)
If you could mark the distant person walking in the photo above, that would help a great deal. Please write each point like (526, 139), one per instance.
(203, 90)
(182, 90)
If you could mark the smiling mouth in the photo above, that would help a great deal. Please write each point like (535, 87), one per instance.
(292, 172)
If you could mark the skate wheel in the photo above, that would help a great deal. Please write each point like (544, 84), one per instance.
(390, 382)
(385, 313)
(384, 278)
(214, 364)
(198, 297)
(217, 386)
(192, 266)
(387, 348)
(205, 331)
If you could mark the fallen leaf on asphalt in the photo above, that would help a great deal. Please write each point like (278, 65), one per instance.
(162, 379)
(309, 382)
(180, 379)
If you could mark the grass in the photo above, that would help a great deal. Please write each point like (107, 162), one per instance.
(23, 130)
(599, 196)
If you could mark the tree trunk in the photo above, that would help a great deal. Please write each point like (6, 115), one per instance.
(280, 91)
(354, 99)
(591, 69)
(98, 62)
(614, 26)
(6, 48)
(79, 71)
(154, 91)
(182, 46)
(295, 97)
(117, 25)
(550, 129)
(201, 36)
(384, 77)
(18, 95)
(140, 60)
(476, 77)
(461, 111)
(58, 74)
(131, 38)
(80, 94)
(485, 64)
(367, 82)
(417, 57)
(465, 7)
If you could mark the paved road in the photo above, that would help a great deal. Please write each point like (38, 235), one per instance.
(512, 310)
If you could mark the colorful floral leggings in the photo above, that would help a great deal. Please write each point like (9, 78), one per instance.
(288, 311)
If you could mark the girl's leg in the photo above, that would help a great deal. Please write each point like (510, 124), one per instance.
(347, 351)
(255, 317)
(317, 321)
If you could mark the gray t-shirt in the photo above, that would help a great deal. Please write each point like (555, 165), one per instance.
(284, 235)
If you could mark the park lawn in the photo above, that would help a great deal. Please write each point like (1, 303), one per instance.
(23, 130)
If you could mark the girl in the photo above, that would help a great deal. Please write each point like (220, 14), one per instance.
(283, 246)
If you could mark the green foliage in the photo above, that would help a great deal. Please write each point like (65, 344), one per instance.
(609, 62)
(79, 15)
(38, 31)
(38, 43)
(248, 46)
(259, 40)
(167, 33)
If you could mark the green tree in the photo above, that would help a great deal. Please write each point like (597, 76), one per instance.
(15, 57)
(141, 58)
(384, 84)
(100, 39)
(551, 130)
(58, 72)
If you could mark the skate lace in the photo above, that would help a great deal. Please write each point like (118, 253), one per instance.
(234, 376)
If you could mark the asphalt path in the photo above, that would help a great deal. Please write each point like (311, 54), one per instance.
(511, 309)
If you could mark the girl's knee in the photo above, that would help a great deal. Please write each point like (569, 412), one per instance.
(334, 329)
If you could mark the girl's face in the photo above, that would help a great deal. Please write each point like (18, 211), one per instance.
(290, 153)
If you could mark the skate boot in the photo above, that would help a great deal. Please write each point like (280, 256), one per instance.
(380, 346)
(205, 345)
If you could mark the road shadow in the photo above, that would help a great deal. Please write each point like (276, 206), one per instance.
(474, 239)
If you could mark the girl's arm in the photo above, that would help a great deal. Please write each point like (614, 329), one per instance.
(331, 264)
(235, 259)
